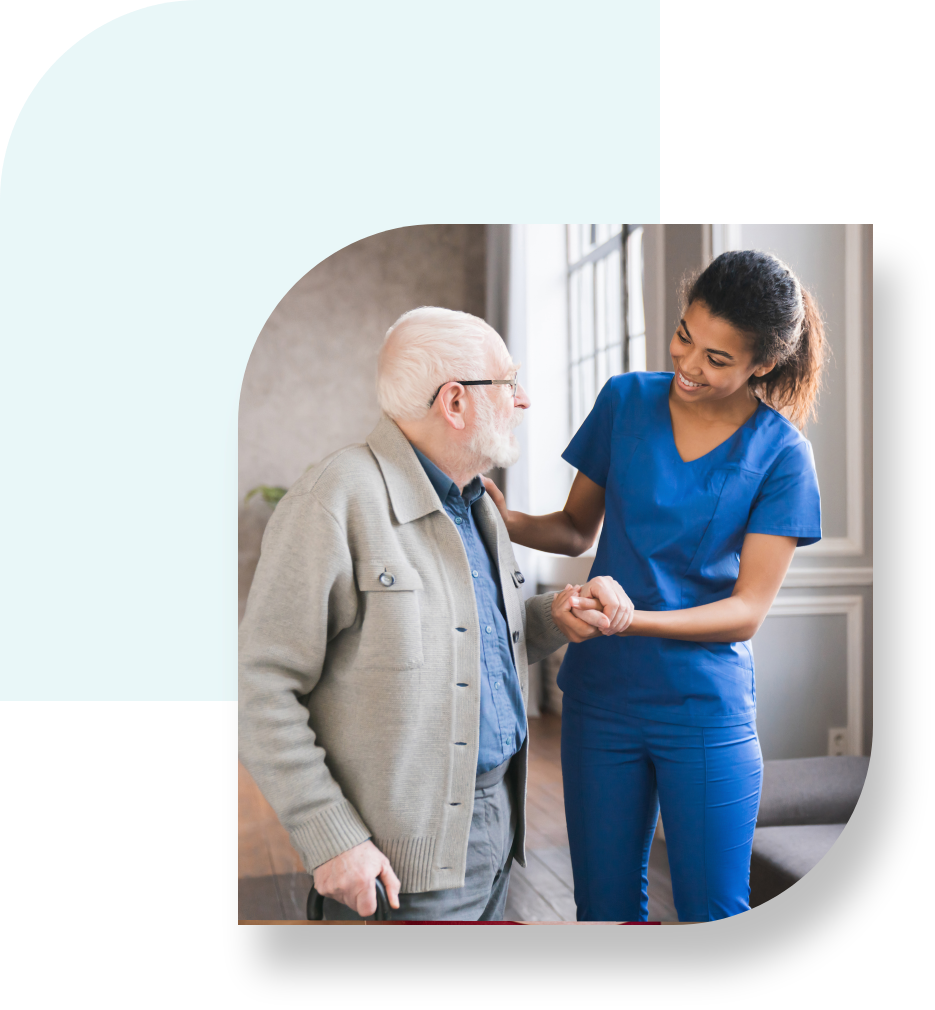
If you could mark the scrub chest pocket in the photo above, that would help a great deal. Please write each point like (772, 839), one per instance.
(391, 631)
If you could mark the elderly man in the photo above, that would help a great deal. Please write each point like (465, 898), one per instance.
(385, 644)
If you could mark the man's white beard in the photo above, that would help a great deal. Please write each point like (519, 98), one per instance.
(491, 446)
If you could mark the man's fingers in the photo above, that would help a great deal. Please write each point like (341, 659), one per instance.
(578, 631)
(391, 883)
(367, 899)
(573, 627)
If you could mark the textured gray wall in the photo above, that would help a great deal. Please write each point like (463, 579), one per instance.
(309, 387)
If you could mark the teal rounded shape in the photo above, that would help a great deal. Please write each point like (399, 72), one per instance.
(167, 182)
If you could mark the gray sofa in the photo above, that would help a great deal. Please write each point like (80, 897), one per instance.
(803, 809)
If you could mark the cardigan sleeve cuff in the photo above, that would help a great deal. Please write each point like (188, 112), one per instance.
(330, 832)
(543, 635)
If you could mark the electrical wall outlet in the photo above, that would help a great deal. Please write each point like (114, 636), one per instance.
(837, 741)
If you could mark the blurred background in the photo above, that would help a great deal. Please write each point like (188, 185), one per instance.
(576, 304)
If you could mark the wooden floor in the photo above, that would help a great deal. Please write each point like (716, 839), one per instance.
(273, 884)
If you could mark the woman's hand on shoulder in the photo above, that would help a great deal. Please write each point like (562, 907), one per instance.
(496, 496)
(615, 605)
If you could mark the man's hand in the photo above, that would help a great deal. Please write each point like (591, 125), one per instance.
(616, 606)
(578, 617)
(349, 878)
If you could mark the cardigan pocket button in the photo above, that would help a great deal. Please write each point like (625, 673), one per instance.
(387, 579)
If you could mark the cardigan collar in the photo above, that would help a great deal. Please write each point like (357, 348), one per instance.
(411, 492)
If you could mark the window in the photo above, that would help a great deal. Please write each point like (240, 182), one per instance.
(607, 330)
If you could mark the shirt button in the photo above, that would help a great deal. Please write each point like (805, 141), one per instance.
(474, 574)
(497, 685)
(488, 629)
(458, 520)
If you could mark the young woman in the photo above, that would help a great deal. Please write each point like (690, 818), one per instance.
(705, 489)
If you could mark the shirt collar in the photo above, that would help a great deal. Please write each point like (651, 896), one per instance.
(445, 487)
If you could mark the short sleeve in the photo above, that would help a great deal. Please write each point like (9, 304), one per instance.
(589, 450)
(789, 504)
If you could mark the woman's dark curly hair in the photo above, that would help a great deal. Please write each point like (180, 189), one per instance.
(760, 296)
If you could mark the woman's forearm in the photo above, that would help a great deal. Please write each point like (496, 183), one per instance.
(731, 620)
(554, 533)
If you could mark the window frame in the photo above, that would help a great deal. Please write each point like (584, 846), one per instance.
(591, 253)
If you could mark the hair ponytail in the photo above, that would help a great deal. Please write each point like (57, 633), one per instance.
(792, 385)
(760, 296)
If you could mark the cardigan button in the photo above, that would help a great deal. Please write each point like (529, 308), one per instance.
(519, 578)
(386, 579)
(515, 636)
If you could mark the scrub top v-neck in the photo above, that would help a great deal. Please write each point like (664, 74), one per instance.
(672, 536)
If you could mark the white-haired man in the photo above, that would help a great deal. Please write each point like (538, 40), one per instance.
(385, 644)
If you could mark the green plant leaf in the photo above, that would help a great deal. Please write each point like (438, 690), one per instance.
(271, 495)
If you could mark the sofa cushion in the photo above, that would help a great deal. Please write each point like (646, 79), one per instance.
(783, 855)
(820, 790)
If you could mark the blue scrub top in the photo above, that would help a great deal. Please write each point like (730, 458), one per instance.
(672, 537)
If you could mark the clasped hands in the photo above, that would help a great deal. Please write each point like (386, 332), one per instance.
(600, 607)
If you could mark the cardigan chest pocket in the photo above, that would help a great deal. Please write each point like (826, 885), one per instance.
(391, 630)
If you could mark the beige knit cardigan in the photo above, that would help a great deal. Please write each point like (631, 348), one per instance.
(360, 663)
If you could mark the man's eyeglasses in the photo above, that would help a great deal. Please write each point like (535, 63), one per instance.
(479, 382)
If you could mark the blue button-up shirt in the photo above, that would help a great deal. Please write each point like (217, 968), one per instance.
(502, 714)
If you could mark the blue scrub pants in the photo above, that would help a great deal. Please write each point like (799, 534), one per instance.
(618, 771)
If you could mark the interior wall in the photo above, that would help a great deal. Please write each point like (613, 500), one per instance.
(654, 297)
(309, 386)
(803, 663)
(685, 249)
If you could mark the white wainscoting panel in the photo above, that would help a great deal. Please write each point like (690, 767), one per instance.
(853, 609)
(812, 578)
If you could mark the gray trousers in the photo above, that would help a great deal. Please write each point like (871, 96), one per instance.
(489, 857)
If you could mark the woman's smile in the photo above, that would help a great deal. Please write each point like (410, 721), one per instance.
(686, 383)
